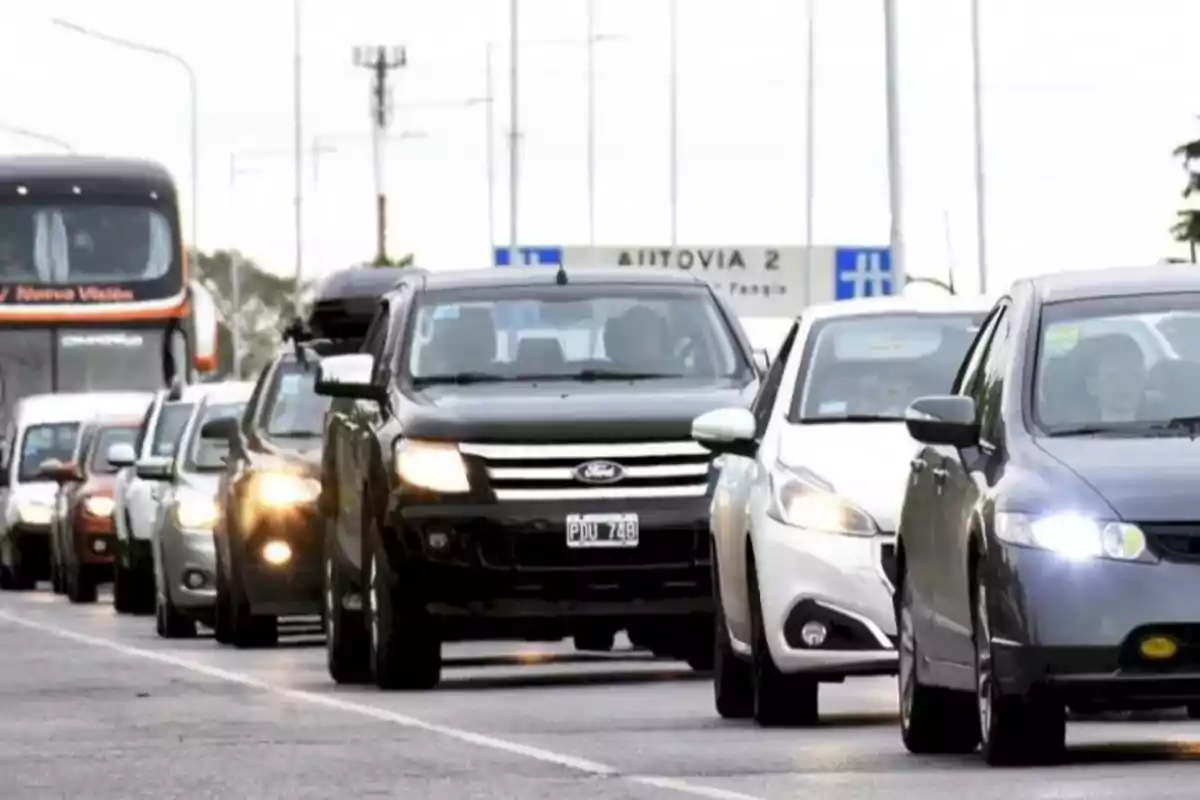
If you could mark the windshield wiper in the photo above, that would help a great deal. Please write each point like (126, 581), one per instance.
(1123, 429)
(459, 378)
(852, 418)
(611, 375)
(293, 434)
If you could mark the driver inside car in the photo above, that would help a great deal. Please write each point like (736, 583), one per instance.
(637, 341)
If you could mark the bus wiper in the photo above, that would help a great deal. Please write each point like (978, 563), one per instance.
(459, 378)
(852, 418)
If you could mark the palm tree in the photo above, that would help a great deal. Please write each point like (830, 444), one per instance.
(1187, 226)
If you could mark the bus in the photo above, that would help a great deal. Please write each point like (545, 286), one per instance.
(95, 292)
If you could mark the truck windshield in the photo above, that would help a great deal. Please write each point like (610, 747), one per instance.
(71, 242)
(581, 331)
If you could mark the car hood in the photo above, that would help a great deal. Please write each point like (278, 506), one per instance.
(866, 462)
(202, 482)
(297, 456)
(1143, 480)
(568, 412)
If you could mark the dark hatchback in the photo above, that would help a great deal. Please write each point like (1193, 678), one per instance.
(269, 536)
(1049, 545)
(510, 457)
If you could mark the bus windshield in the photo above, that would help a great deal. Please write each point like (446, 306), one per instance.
(67, 242)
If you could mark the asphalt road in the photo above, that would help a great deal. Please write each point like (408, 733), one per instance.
(96, 707)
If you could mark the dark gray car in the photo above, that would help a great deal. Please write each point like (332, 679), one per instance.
(1049, 544)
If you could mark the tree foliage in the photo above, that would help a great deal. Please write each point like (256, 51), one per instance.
(387, 261)
(1187, 223)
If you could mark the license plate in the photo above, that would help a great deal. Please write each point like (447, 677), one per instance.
(602, 530)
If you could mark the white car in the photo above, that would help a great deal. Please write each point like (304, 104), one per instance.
(136, 500)
(811, 481)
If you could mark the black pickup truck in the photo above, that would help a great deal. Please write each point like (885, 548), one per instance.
(510, 457)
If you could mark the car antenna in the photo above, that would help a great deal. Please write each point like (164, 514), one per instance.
(561, 277)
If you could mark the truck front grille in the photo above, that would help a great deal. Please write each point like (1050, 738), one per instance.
(617, 471)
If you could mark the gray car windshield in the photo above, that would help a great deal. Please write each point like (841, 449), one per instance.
(572, 332)
(208, 455)
(292, 408)
(872, 367)
(105, 439)
(45, 442)
(1107, 366)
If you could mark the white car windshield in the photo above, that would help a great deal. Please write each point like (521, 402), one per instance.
(873, 367)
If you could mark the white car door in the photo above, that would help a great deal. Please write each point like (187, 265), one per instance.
(731, 503)
(142, 497)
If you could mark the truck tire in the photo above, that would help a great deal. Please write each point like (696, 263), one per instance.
(405, 648)
(347, 649)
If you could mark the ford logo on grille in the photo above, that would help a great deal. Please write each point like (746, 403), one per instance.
(599, 472)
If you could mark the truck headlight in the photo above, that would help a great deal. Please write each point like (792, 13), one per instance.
(34, 513)
(194, 511)
(282, 490)
(99, 506)
(803, 500)
(437, 466)
(1077, 537)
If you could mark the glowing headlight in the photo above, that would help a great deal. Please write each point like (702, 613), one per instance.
(279, 489)
(437, 466)
(32, 513)
(195, 511)
(1074, 536)
(800, 499)
(99, 506)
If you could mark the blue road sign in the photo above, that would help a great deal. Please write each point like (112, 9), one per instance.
(528, 257)
(863, 272)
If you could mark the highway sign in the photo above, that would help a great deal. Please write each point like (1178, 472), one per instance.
(528, 257)
(863, 272)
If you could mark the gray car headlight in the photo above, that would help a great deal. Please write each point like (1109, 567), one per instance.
(1073, 536)
(802, 500)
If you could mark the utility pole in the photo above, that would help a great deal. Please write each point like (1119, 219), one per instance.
(673, 118)
(298, 151)
(514, 132)
(381, 60)
(894, 152)
(977, 109)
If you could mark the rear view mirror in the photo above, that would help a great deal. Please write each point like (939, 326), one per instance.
(153, 469)
(348, 376)
(762, 360)
(54, 470)
(727, 430)
(121, 455)
(943, 419)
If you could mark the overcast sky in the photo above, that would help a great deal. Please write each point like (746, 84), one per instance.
(1084, 101)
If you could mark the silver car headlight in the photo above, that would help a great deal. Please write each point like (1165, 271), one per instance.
(194, 511)
(1073, 536)
(436, 466)
(802, 500)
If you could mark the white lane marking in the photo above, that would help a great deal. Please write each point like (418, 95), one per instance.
(380, 714)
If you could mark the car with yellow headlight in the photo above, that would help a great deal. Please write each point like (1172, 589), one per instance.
(269, 534)
(181, 543)
(83, 537)
(1048, 552)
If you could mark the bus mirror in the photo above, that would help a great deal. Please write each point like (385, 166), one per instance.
(204, 329)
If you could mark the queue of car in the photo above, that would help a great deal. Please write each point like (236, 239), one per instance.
(991, 501)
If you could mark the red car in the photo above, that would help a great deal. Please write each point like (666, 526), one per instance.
(82, 536)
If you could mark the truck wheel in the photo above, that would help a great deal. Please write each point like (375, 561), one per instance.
(347, 649)
(595, 641)
(81, 585)
(405, 648)
(779, 699)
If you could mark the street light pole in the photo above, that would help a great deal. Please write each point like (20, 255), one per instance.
(490, 124)
(514, 115)
(895, 174)
(191, 77)
(673, 123)
(381, 60)
(977, 103)
(298, 149)
(29, 133)
(591, 128)
(809, 139)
